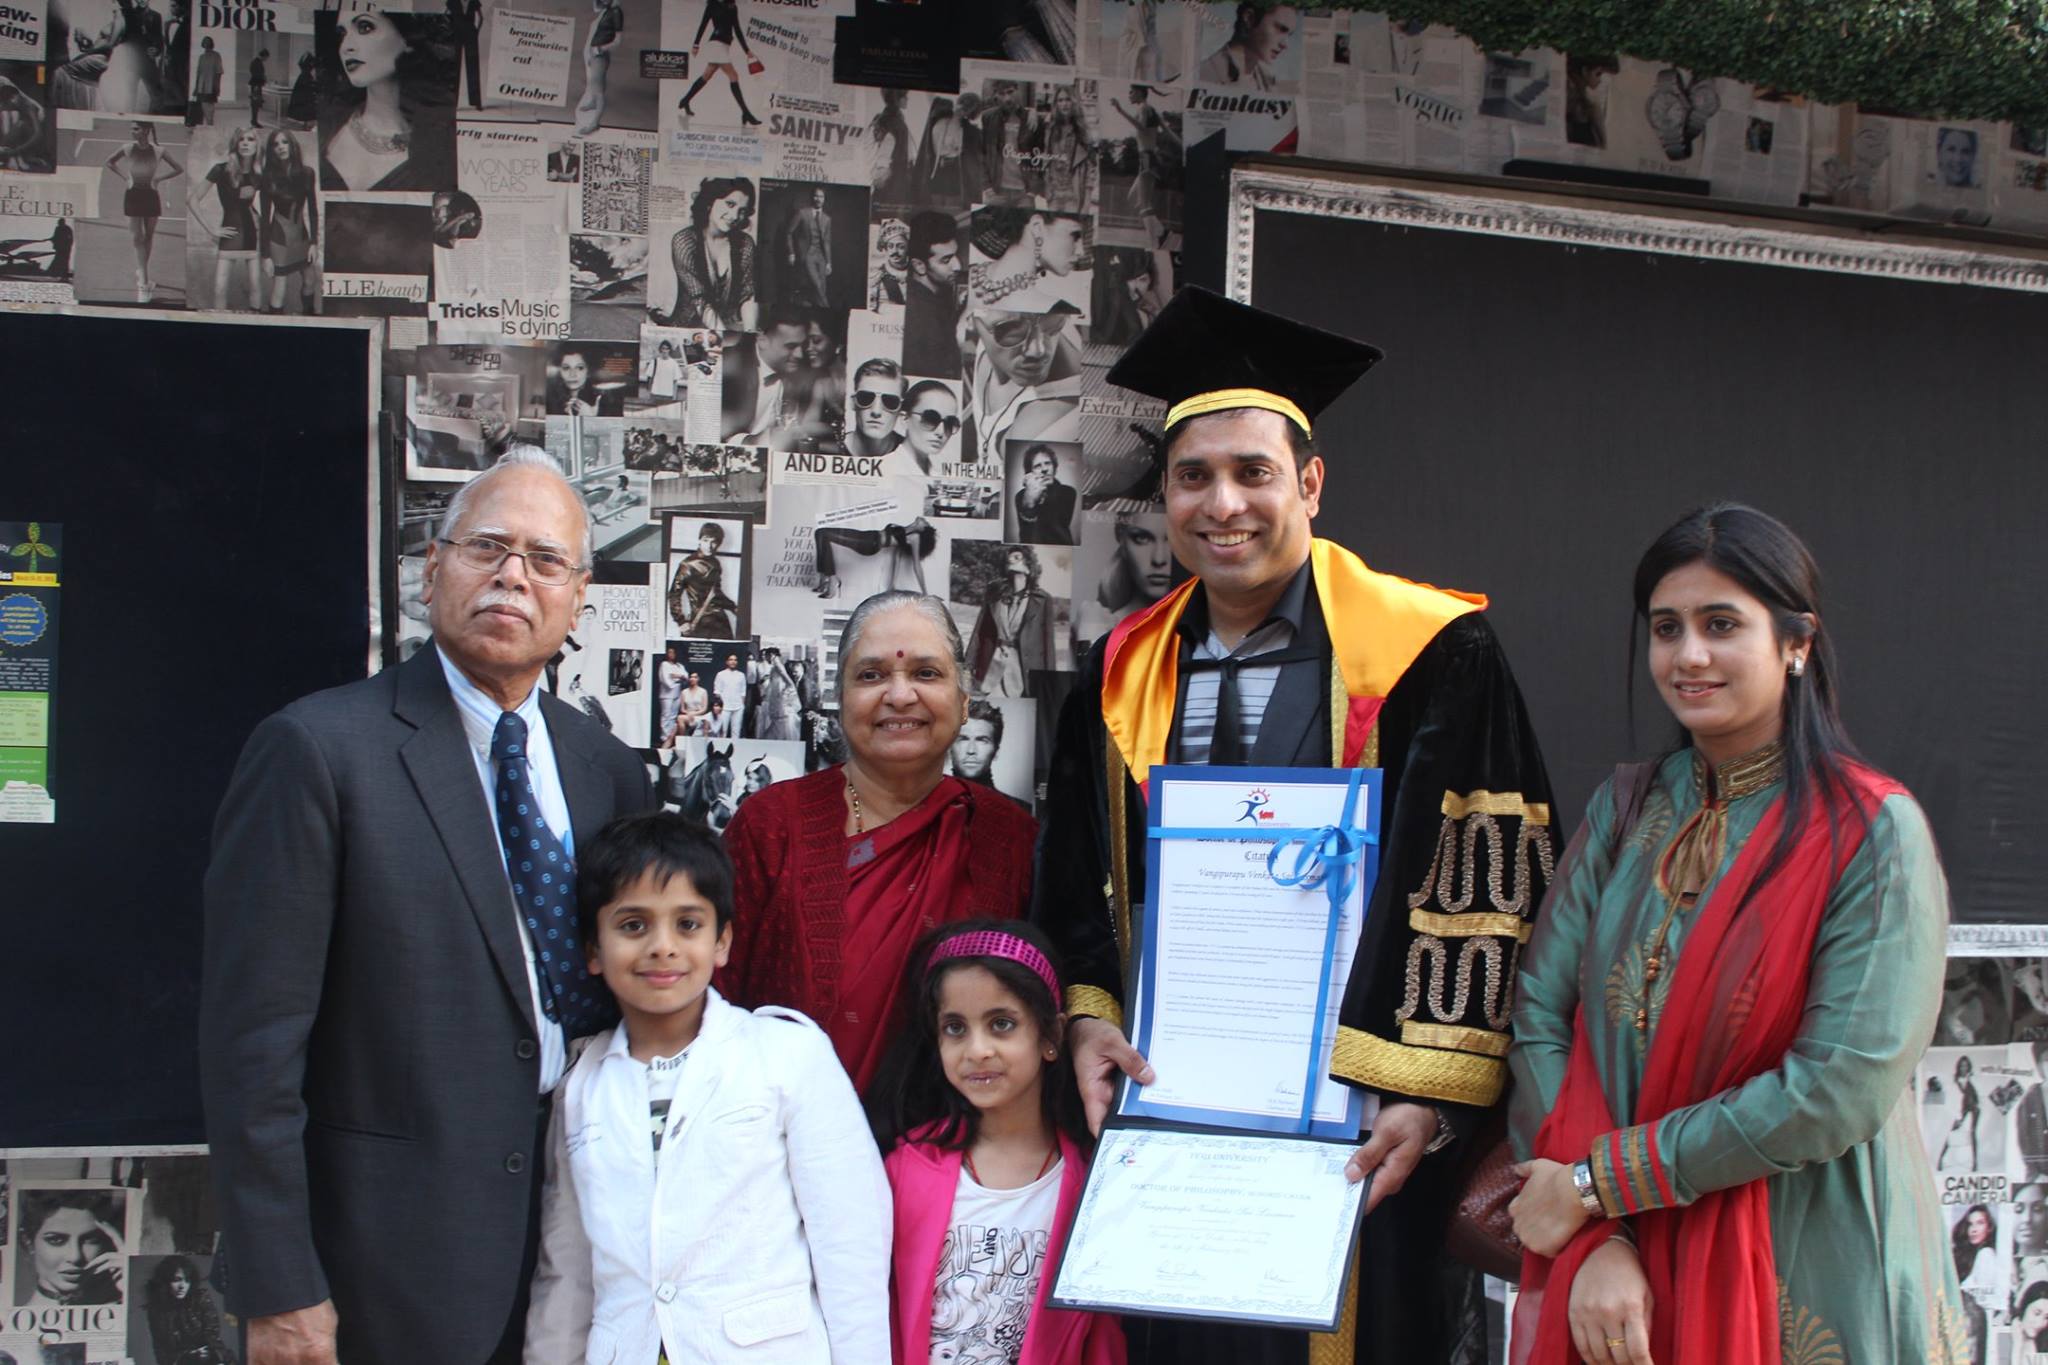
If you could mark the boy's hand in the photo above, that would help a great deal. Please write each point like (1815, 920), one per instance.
(304, 1336)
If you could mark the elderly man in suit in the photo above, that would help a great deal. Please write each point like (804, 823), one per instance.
(391, 977)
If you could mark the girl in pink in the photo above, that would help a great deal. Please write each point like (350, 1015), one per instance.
(977, 1108)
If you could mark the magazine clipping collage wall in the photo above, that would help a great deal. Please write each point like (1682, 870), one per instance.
(797, 341)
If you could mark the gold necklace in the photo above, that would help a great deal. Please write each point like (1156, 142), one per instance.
(853, 797)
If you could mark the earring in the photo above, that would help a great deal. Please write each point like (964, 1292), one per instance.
(1038, 251)
(1799, 666)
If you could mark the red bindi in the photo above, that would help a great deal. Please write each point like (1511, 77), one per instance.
(899, 653)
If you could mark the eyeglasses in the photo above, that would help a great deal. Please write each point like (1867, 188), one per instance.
(931, 419)
(1018, 331)
(485, 554)
(867, 398)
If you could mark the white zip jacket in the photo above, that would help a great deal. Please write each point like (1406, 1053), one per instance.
(760, 1232)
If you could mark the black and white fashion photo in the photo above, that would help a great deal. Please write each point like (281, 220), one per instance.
(116, 56)
(386, 103)
(1012, 603)
(1023, 380)
(707, 576)
(720, 480)
(995, 746)
(591, 378)
(1124, 564)
(1031, 260)
(180, 1322)
(1041, 503)
(133, 250)
(703, 270)
(813, 244)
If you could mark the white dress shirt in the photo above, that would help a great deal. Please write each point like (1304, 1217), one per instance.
(768, 403)
(479, 722)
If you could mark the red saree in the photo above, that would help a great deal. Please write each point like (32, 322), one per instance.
(900, 881)
(1737, 995)
(806, 937)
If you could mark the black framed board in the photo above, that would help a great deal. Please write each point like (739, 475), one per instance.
(216, 484)
(1563, 380)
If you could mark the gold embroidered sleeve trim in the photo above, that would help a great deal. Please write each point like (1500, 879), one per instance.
(1470, 925)
(1094, 1002)
(1454, 1077)
(1456, 1037)
(1482, 802)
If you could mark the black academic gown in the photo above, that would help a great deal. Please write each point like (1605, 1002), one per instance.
(1454, 724)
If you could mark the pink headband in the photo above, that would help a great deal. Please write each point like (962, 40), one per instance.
(988, 943)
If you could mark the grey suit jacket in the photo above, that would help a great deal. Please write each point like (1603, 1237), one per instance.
(367, 1045)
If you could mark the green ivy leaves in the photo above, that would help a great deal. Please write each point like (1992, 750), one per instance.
(1958, 59)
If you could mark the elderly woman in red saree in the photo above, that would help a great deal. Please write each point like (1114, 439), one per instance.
(837, 874)
(1736, 968)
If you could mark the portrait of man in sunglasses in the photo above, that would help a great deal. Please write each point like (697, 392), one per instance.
(872, 425)
(1025, 383)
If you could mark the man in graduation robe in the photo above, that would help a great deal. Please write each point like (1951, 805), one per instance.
(1286, 650)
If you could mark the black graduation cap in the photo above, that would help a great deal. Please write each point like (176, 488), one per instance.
(1206, 353)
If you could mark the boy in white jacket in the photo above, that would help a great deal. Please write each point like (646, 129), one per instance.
(713, 1192)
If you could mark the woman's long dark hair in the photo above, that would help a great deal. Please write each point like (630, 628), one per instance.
(1774, 566)
(426, 72)
(716, 188)
(1965, 1250)
(159, 1292)
(287, 175)
(910, 1089)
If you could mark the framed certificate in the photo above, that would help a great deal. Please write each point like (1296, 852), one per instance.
(1227, 1227)
(1218, 1191)
(1239, 977)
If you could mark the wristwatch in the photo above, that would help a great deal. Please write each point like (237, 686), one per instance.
(1443, 1132)
(1589, 1194)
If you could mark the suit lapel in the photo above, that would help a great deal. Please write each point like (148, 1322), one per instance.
(584, 785)
(443, 772)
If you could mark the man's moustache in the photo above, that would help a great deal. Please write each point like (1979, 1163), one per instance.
(499, 597)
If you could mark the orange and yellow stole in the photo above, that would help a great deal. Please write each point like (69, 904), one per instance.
(1378, 624)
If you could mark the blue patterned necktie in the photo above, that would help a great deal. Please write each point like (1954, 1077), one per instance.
(544, 888)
